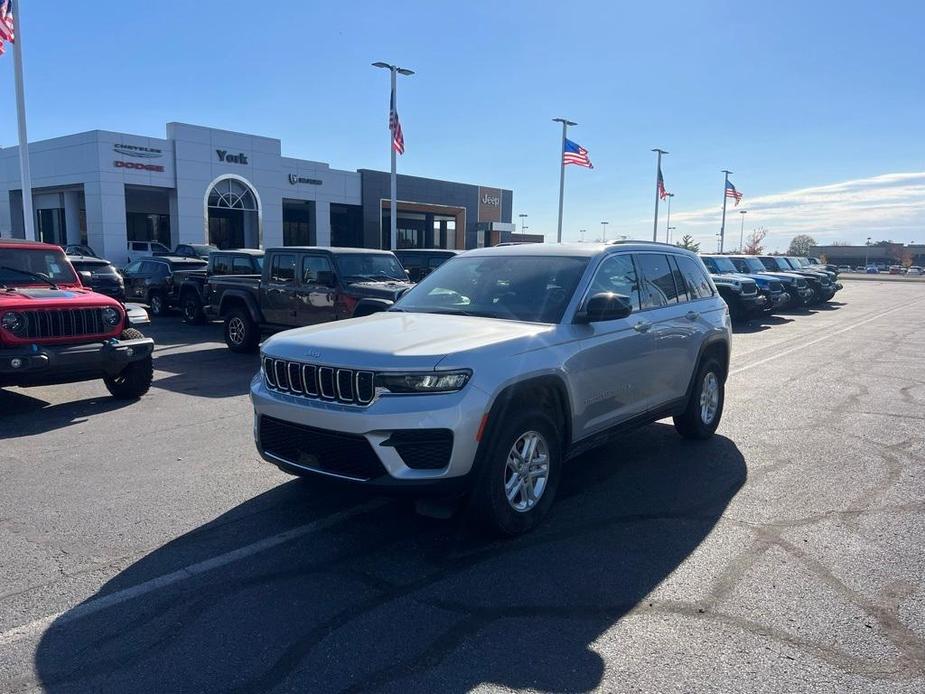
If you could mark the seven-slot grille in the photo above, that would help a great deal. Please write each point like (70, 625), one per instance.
(320, 382)
(775, 287)
(69, 322)
(749, 288)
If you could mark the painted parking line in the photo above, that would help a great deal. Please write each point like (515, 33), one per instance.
(90, 607)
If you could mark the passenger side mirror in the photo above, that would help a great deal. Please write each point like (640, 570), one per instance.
(326, 278)
(85, 276)
(605, 306)
(369, 306)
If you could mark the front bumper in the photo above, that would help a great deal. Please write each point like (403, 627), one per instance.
(370, 428)
(48, 364)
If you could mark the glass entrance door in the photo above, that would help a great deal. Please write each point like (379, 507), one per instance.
(51, 226)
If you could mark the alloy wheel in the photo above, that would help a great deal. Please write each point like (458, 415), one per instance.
(709, 398)
(526, 473)
(236, 330)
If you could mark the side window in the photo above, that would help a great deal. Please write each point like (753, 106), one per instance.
(698, 286)
(617, 274)
(138, 246)
(242, 266)
(133, 268)
(678, 278)
(184, 250)
(148, 268)
(161, 269)
(311, 266)
(220, 264)
(436, 262)
(659, 289)
(282, 269)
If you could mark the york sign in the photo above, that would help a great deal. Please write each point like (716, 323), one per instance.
(239, 158)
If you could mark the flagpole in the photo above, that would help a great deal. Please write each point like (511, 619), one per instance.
(24, 170)
(658, 167)
(565, 123)
(722, 229)
(393, 175)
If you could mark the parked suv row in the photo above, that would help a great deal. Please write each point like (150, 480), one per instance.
(486, 376)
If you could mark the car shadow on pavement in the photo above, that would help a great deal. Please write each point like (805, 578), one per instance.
(24, 415)
(216, 372)
(760, 324)
(384, 600)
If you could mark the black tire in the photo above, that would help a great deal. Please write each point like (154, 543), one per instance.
(158, 304)
(135, 379)
(695, 422)
(241, 333)
(192, 309)
(489, 504)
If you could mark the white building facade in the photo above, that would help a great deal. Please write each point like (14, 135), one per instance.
(205, 185)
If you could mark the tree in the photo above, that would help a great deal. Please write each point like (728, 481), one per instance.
(753, 244)
(687, 241)
(801, 245)
(906, 258)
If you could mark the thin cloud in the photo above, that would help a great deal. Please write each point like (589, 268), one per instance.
(889, 206)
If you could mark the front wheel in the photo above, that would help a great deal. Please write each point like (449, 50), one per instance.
(517, 482)
(705, 405)
(241, 333)
(157, 303)
(135, 379)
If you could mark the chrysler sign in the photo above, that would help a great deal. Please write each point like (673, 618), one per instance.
(137, 151)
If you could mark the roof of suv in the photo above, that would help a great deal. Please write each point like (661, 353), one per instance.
(338, 250)
(240, 251)
(585, 250)
(26, 243)
(176, 260)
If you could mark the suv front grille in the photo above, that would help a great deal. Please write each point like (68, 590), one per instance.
(319, 382)
(749, 288)
(775, 287)
(68, 322)
(346, 455)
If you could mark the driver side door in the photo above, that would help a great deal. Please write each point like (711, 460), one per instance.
(612, 372)
(315, 295)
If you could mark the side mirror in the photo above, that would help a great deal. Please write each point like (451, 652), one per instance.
(605, 306)
(326, 278)
(85, 276)
(368, 306)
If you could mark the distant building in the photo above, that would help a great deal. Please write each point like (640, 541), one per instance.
(870, 255)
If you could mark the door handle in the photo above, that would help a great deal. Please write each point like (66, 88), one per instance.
(692, 315)
(642, 326)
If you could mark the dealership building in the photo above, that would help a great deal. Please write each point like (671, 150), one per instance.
(203, 185)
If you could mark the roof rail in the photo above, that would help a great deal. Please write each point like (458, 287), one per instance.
(651, 243)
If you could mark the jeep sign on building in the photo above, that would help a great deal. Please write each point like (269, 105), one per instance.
(231, 189)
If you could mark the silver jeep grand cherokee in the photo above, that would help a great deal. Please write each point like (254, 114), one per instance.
(496, 368)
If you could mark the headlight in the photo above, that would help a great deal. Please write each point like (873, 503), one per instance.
(14, 322)
(111, 316)
(432, 382)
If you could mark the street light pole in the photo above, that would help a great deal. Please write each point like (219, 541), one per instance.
(604, 232)
(670, 229)
(582, 232)
(722, 229)
(742, 229)
(522, 225)
(394, 70)
(668, 219)
(867, 254)
(657, 170)
(565, 123)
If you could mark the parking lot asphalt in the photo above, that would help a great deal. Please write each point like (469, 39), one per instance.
(145, 547)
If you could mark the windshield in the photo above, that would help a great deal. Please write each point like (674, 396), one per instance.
(203, 250)
(52, 263)
(533, 289)
(748, 264)
(721, 264)
(359, 267)
(97, 269)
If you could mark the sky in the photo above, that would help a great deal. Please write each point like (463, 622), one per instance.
(818, 108)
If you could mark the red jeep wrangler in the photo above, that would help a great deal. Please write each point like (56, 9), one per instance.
(54, 330)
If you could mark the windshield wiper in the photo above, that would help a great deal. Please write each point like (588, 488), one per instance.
(29, 273)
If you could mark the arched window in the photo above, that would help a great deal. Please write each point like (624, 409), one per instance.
(232, 194)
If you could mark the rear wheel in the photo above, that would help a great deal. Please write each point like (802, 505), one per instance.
(192, 309)
(705, 406)
(241, 333)
(135, 379)
(157, 303)
(517, 482)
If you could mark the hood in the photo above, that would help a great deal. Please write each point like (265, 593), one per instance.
(46, 297)
(784, 275)
(733, 278)
(397, 340)
(390, 289)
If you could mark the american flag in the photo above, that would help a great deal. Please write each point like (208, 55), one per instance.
(398, 139)
(6, 23)
(731, 192)
(662, 193)
(574, 153)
